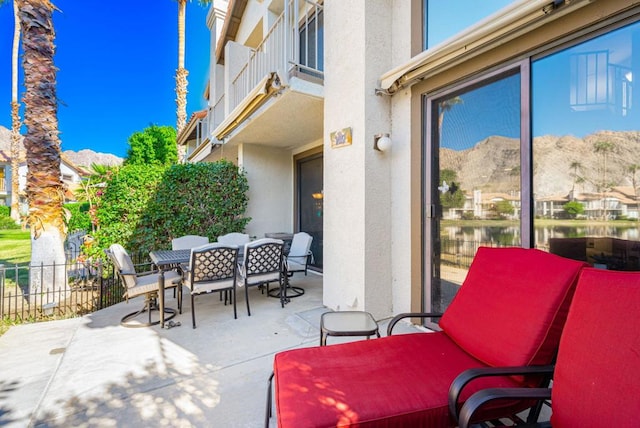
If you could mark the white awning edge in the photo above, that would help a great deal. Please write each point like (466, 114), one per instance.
(240, 111)
(506, 24)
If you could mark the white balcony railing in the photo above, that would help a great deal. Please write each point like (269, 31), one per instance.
(294, 42)
(280, 51)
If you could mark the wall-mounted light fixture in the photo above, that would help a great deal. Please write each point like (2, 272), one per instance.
(381, 142)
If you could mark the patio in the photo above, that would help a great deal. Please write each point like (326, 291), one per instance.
(91, 371)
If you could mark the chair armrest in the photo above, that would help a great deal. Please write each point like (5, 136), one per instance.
(399, 317)
(480, 398)
(307, 254)
(467, 376)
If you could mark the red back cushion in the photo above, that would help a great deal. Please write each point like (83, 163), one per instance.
(596, 376)
(512, 306)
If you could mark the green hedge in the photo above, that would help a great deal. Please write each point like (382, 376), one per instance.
(79, 218)
(143, 207)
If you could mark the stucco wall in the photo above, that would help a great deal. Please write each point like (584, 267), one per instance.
(358, 203)
(269, 172)
(405, 176)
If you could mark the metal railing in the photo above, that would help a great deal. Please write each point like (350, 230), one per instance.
(87, 287)
(280, 49)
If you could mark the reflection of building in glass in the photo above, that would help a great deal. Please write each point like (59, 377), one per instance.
(618, 203)
(487, 205)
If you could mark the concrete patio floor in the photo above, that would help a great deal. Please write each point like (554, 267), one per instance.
(92, 372)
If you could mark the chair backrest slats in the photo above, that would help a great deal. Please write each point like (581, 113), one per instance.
(263, 256)
(213, 262)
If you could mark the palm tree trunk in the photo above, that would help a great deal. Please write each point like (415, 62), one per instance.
(15, 119)
(181, 76)
(44, 185)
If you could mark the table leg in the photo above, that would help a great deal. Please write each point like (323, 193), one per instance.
(161, 298)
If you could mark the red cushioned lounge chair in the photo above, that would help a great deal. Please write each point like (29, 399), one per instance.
(509, 311)
(595, 381)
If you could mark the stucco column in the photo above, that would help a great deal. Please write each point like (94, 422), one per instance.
(357, 179)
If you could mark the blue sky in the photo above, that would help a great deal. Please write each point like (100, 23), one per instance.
(117, 63)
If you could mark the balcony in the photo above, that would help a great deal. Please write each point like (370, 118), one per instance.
(270, 95)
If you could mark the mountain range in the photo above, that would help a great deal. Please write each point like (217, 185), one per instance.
(83, 158)
(560, 163)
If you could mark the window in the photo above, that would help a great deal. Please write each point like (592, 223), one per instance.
(312, 43)
(561, 173)
(445, 18)
(476, 166)
(586, 150)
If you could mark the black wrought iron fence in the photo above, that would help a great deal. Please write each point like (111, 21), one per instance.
(460, 253)
(87, 286)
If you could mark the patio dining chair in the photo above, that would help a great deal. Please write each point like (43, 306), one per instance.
(234, 238)
(262, 264)
(510, 309)
(595, 378)
(212, 267)
(145, 284)
(299, 254)
(188, 242)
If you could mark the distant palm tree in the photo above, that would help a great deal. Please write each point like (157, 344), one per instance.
(633, 170)
(181, 72)
(444, 107)
(44, 185)
(15, 118)
(604, 147)
(575, 166)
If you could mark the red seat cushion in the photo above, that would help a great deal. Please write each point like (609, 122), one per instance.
(598, 367)
(395, 381)
(514, 300)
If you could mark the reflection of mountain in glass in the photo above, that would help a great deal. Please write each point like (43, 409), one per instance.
(560, 164)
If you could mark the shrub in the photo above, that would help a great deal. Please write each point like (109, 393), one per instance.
(122, 203)
(144, 206)
(5, 211)
(207, 199)
(7, 222)
(79, 218)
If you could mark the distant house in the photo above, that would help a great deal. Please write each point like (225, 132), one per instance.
(619, 202)
(71, 174)
(5, 179)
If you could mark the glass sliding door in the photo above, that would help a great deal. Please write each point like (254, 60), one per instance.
(473, 169)
(586, 150)
(310, 209)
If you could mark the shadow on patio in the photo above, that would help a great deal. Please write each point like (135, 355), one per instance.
(91, 371)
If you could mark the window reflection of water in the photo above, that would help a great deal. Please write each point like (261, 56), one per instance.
(474, 236)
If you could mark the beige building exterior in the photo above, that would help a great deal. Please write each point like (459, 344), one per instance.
(296, 86)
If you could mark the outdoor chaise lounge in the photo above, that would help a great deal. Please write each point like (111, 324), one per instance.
(509, 311)
(595, 379)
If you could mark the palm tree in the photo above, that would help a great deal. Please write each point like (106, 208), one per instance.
(575, 166)
(15, 118)
(633, 170)
(445, 106)
(604, 147)
(44, 185)
(181, 72)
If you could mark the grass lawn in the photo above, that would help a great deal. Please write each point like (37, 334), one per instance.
(15, 247)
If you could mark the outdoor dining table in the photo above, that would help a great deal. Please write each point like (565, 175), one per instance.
(167, 260)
